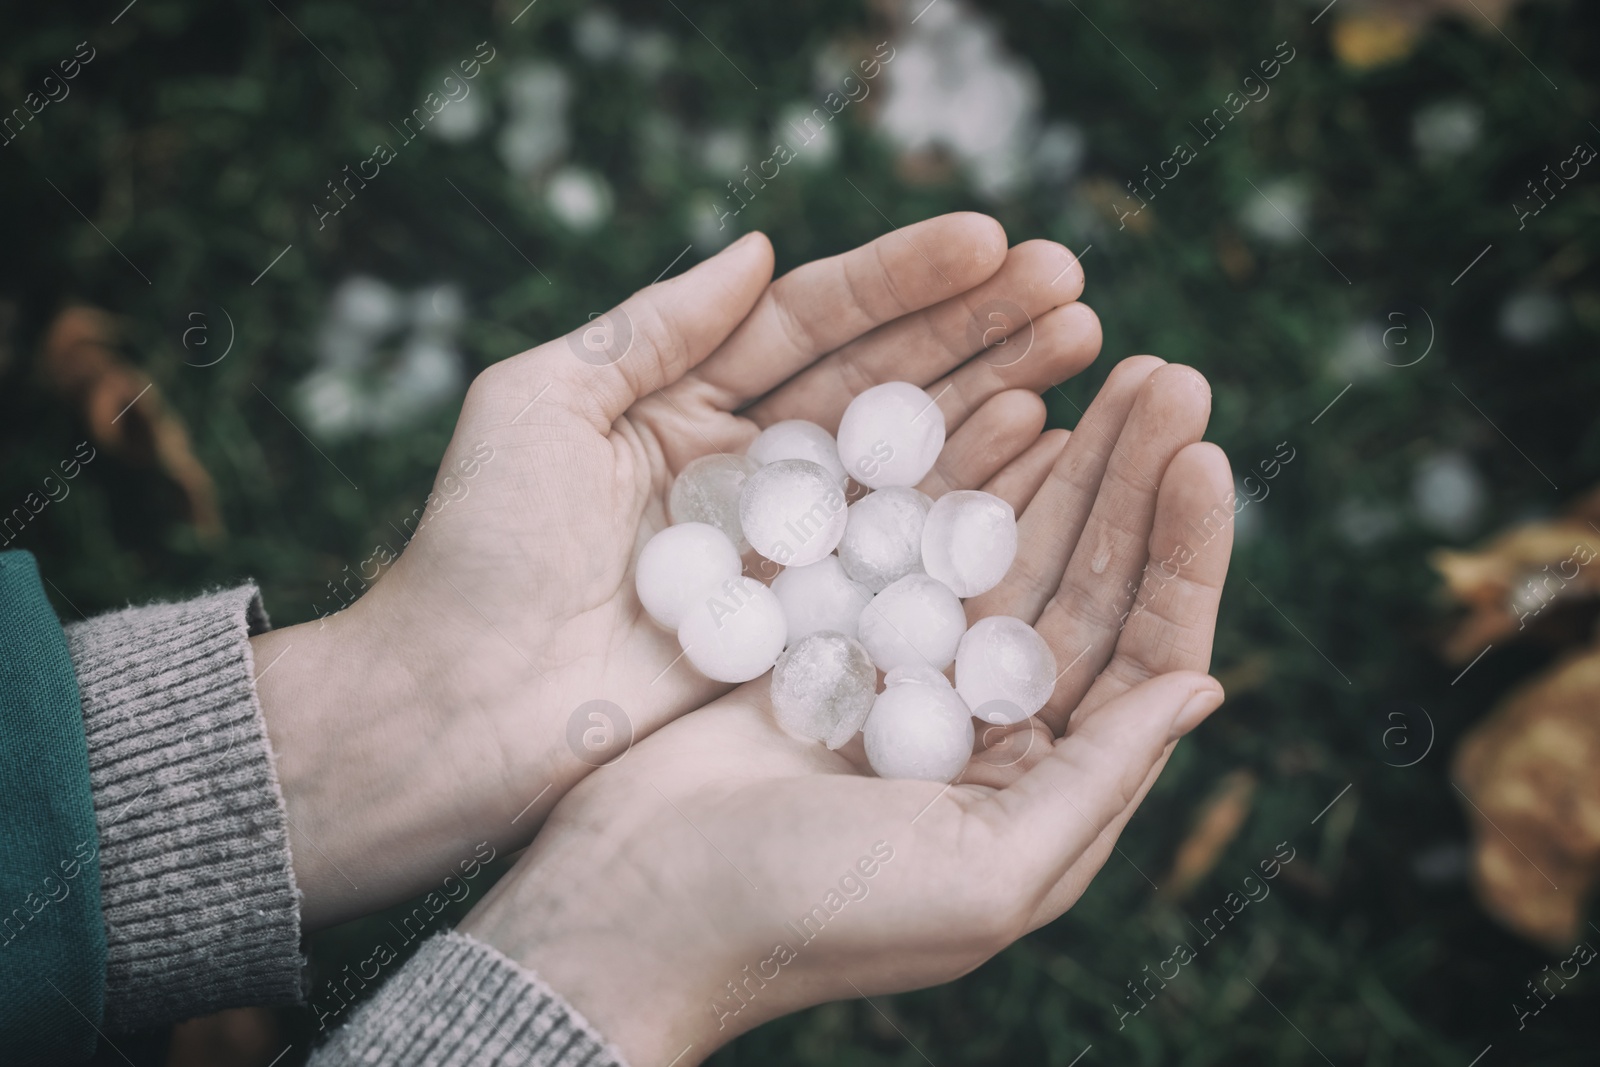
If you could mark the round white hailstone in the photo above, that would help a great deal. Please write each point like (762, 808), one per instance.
(913, 675)
(915, 622)
(919, 731)
(707, 490)
(969, 540)
(797, 439)
(882, 540)
(792, 511)
(891, 435)
(681, 564)
(734, 633)
(820, 596)
(823, 687)
(1004, 670)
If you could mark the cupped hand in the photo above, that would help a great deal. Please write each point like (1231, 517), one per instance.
(438, 710)
(722, 873)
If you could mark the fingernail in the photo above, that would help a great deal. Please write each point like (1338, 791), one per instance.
(1201, 704)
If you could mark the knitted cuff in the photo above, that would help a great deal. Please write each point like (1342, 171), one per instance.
(200, 906)
(459, 1002)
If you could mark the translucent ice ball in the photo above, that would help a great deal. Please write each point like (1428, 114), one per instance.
(682, 563)
(915, 622)
(797, 439)
(707, 490)
(882, 539)
(891, 435)
(823, 687)
(820, 596)
(969, 540)
(734, 633)
(1004, 670)
(793, 511)
(919, 731)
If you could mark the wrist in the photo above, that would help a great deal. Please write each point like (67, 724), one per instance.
(649, 995)
(379, 807)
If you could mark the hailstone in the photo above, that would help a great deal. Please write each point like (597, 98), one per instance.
(882, 540)
(734, 633)
(798, 439)
(793, 511)
(919, 731)
(707, 490)
(891, 435)
(823, 687)
(969, 540)
(820, 596)
(680, 564)
(915, 622)
(1004, 670)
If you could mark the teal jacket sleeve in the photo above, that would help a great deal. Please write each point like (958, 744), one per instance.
(52, 937)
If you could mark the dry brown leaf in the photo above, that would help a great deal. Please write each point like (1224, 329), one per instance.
(1509, 585)
(125, 412)
(1218, 824)
(1374, 33)
(1527, 771)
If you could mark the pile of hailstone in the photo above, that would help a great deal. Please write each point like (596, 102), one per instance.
(866, 587)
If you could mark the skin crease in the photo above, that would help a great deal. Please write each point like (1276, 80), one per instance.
(665, 875)
(432, 714)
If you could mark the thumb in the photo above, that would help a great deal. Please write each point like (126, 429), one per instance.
(652, 338)
(1095, 773)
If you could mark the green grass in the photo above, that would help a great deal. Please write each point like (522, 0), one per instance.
(200, 135)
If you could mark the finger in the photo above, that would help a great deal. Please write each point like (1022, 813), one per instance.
(1020, 479)
(1173, 620)
(1060, 808)
(825, 304)
(1082, 620)
(1070, 886)
(651, 339)
(1174, 617)
(1048, 531)
(921, 348)
(997, 433)
(1063, 342)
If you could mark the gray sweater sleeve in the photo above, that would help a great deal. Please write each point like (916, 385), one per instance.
(197, 889)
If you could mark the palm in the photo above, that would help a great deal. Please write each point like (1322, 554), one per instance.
(707, 838)
(532, 564)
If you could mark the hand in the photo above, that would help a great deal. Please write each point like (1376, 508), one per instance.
(723, 873)
(433, 713)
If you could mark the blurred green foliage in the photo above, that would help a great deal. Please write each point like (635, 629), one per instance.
(199, 137)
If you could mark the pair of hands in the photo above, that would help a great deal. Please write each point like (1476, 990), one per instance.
(433, 713)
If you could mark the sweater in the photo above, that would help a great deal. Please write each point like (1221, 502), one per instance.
(200, 908)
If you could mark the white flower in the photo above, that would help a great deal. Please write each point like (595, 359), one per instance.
(650, 52)
(536, 137)
(814, 145)
(725, 150)
(359, 385)
(597, 34)
(1058, 153)
(1278, 213)
(366, 305)
(1359, 354)
(580, 198)
(1447, 129)
(952, 86)
(461, 120)
(1528, 318)
(1448, 493)
(1362, 524)
(711, 223)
